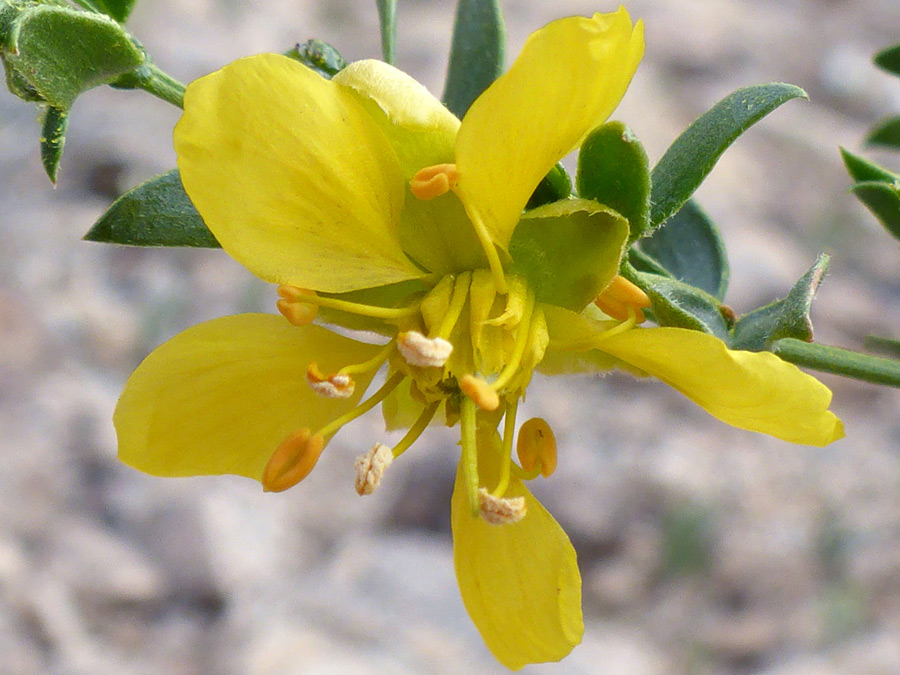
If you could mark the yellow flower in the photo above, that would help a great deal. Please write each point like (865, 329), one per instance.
(374, 208)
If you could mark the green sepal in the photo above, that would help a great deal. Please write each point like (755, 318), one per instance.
(155, 213)
(883, 200)
(785, 318)
(477, 53)
(320, 56)
(862, 170)
(117, 9)
(63, 52)
(53, 139)
(681, 305)
(554, 186)
(886, 134)
(568, 251)
(613, 169)
(387, 19)
(889, 59)
(690, 248)
(695, 152)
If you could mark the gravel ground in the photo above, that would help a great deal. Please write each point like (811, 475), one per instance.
(704, 549)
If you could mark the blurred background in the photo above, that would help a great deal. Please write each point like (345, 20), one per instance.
(704, 549)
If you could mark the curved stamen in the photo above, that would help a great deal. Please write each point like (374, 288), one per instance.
(490, 252)
(523, 334)
(457, 303)
(291, 295)
(509, 430)
(364, 407)
(469, 456)
(416, 429)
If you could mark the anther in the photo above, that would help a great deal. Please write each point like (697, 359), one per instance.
(371, 467)
(619, 296)
(297, 305)
(292, 461)
(419, 350)
(536, 447)
(500, 510)
(434, 181)
(338, 385)
(484, 396)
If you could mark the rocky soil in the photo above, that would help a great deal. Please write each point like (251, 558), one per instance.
(704, 549)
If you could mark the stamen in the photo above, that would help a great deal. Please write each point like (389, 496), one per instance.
(434, 181)
(419, 350)
(490, 252)
(480, 392)
(372, 364)
(628, 324)
(500, 510)
(522, 334)
(457, 303)
(469, 457)
(416, 430)
(509, 430)
(297, 305)
(371, 467)
(302, 298)
(536, 447)
(364, 407)
(292, 460)
(620, 295)
(339, 385)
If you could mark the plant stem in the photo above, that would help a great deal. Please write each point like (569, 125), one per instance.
(162, 85)
(839, 361)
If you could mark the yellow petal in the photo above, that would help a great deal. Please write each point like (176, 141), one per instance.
(570, 76)
(573, 338)
(519, 582)
(219, 397)
(292, 176)
(749, 390)
(435, 233)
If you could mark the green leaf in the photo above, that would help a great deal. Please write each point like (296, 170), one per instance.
(63, 52)
(690, 248)
(320, 56)
(554, 186)
(642, 262)
(683, 306)
(695, 152)
(387, 17)
(889, 59)
(614, 170)
(155, 213)
(53, 139)
(883, 200)
(477, 54)
(886, 134)
(839, 361)
(862, 170)
(568, 250)
(785, 318)
(117, 9)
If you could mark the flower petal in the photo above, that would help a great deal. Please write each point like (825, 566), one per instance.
(519, 582)
(435, 233)
(749, 390)
(570, 76)
(292, 176)
(219, 397)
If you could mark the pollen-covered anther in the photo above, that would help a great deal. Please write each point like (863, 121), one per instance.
(481, 392)
(297, 305)
(536, 447)
(338, 385)
(292, 460)
(434, 181)
(371, 467)
(426, 352)
(619, 296)
(500, 510)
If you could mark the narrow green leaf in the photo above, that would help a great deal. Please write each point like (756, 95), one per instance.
(569, 251)
(554, 186)
(883, 200)
(155, 213)
(695, 152)
(691, 249)
(387, 17)
(477, 53)
(889, 59)
(613, 169)
(320, 56)
(53, 139)
(886, 134)
(839, 361)
(862, 170)
(117, 9)
(788, 317)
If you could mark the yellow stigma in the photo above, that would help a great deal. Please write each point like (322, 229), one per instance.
(621, 294)
(338, 385)
(484, 396)
(434, 181)
(536, 447)
(297, 305)
(292, 461)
